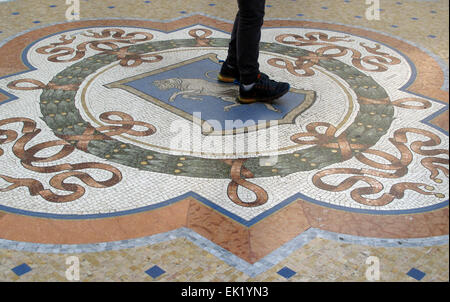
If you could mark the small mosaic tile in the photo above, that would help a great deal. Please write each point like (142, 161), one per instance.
(155, 271)
(21, 269)
(416, 274)
(286, 272)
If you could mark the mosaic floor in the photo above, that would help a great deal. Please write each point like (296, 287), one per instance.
(122, 158)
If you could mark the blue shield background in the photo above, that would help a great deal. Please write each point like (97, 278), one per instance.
(211, 107)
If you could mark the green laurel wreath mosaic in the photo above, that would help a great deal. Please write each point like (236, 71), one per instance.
(61, 115)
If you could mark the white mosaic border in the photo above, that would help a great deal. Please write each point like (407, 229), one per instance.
(203, 187)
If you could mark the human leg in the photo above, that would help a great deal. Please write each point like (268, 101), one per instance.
(243, 49)
(243, 54)
(247, 38)
(229, 72)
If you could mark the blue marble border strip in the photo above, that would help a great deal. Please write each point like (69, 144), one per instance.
(214, 206)
(229, 258)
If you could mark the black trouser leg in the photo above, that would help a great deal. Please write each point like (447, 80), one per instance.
(232, 46)
(243, 50)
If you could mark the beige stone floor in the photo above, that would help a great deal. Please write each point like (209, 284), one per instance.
(319, 260)
(432, 16)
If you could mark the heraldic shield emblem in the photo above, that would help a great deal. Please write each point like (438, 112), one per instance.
(191, 87)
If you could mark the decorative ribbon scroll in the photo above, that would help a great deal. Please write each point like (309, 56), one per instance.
(125, 125)
(64, 171)
(304, 63)
(328, 50)
(237, 172)
(39, 85)
(396, 168)
(403, 103)
(59, 50)
(202, 39)
(327, 139)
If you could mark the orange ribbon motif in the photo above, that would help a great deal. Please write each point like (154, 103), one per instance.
(327, 139)
(124, 125)
(237, 172)
(64, 171)
(130, 59)
(202, 39)
(39, 85)
(397, 166)
(329, 50)
(58, 51)
(304, 63)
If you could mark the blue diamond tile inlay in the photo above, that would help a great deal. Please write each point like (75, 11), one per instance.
(21, 269)
(286, 272)
(155, 272)
(416, 274)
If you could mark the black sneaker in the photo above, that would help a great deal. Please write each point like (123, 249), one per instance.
(228, 74)
(264, 90)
